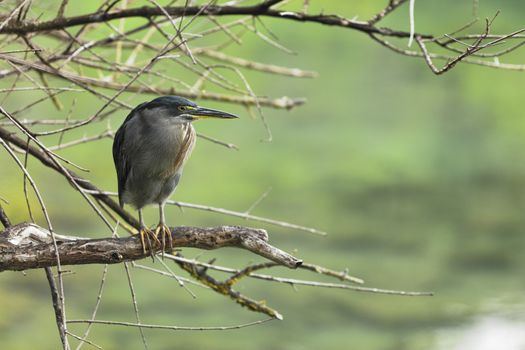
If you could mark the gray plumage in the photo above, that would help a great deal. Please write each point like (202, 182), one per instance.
(149, 151)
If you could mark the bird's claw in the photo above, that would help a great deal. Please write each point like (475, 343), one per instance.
(146, 237)
(164, 232)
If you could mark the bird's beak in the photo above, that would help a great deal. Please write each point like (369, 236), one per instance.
(201, 113)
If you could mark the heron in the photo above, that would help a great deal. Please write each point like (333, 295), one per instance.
(149, 150)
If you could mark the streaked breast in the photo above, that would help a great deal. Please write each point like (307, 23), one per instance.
(181, 148)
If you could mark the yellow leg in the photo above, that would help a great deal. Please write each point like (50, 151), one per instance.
(165, 234)
(149, 240)
(163, 230)
(146, 237)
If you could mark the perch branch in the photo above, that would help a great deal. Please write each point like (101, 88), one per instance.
(28, 246)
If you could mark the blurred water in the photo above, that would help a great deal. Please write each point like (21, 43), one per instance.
(488, 332)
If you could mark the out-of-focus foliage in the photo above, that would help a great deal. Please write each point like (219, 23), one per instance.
(418, 179)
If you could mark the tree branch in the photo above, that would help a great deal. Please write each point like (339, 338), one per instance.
(28, 246)
(57, 306)
(280, 102)
(26, 27)
(82, 183)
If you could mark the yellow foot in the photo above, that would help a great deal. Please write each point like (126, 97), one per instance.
(165, 235)
(148, 239)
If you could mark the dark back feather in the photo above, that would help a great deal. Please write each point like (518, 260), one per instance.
(122, 164)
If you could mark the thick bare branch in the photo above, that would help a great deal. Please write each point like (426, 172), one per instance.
(28, 246)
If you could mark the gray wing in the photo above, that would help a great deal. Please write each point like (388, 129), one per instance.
(121, 162)
(120, 157)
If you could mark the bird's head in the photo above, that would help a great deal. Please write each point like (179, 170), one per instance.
(177, 109)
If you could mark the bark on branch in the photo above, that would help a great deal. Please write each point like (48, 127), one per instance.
(28, 246)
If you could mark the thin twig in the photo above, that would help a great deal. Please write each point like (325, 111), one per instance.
(135, 306)
(95, 309)
(173, 328)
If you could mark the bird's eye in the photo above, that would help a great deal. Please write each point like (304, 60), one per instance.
(183, 108)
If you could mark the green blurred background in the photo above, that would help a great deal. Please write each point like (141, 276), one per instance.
(418, 179)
